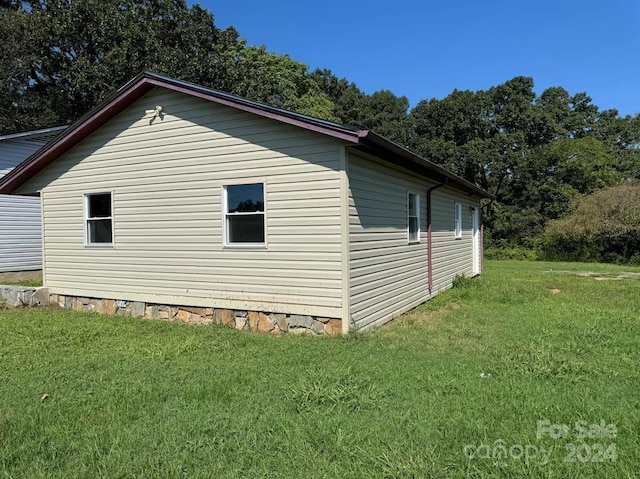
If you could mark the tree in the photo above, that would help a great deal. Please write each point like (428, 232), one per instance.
(19, 110)
(382, 111)
(482, 136)
(386, 114)
(535, 154)
(279, 81)
(78, 52)
(348, 100)
(66, 56)
(453, 132)
(70, 54)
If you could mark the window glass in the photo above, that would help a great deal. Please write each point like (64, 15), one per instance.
(458, 220)
(244, 215)
(413, 220)
(100, 231)
(246, 229)
(99, 222)
(245, 198)
(99, 205)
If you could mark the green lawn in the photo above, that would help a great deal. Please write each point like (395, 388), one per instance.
(28, 283)
(526, 347)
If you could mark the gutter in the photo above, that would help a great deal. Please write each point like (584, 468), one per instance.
(429, 240)
(364, 140)
(380, 145)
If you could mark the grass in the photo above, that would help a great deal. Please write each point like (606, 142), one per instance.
(29, 283)
(432, 395)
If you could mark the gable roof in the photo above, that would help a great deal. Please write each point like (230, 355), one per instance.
(16, 147)
(41, 134)
(364, 140)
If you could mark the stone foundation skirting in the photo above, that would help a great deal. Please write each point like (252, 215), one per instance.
(14, 296)
(274, 323)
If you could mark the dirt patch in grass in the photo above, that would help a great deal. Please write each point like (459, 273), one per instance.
(601, 276)
(430, 319)
(19, 277)
(439, 332)
(608, 276)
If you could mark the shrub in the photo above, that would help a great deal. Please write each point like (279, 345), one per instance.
(604, 227)
(461, 281)
(513, 253)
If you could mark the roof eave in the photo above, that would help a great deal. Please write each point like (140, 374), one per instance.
(146, 81)
(86, 125)
(32, 133)
(381, 144)
(135, 89)
(335, 130)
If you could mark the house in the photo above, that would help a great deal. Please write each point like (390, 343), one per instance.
(20, 240)
(176, 201)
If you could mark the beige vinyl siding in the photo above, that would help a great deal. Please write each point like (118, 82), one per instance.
(166, 176)
(451, 256)
(387, 274)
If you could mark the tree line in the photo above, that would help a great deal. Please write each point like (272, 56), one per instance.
(538, 154)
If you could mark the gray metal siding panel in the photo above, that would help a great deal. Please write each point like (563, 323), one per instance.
(15, 151)
(20, 232)
(20, 237)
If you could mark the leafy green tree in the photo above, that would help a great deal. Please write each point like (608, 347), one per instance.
(382, 111)
(584, 164)
(453, 132)
(348, 100)
(386, 114)
(279, 81)
(482, 136)
(18, 56)
(536, 154)
(68, 55)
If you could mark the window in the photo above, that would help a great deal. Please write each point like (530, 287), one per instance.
(413, 217)
(457, 222)
(244, 218)
(98, 219)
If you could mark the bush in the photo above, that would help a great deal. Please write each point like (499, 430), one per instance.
(513, 253)
(604, 227)
(461, 281)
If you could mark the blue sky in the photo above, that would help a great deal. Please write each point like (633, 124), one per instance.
(426, 49)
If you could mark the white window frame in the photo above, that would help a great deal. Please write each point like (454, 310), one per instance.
(86, 220)
(225, 214)
(416, 197)
(457, 220)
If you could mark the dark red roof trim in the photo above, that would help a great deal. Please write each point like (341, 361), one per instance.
(145, 82)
